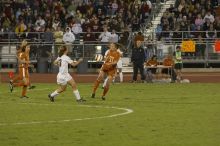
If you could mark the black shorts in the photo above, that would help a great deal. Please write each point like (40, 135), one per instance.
(178, 66)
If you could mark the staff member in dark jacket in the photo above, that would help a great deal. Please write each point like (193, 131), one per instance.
(138, 58)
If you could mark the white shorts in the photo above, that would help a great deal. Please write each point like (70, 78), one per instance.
(119, 64)
(62, 79)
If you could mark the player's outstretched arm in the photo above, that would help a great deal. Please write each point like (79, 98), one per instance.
(77, 62)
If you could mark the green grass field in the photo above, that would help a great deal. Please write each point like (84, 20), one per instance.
(163, 115)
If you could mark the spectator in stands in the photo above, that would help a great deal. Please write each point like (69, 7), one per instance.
(39, 23)
(211, 32)
(77, 29)
(199, 21)
(20, 29)
(104, 37)
(114, 36)
(114, 7)
(68, 38)
(209, 16)
(58, 36)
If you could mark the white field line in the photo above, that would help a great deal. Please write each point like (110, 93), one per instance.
(126, 111)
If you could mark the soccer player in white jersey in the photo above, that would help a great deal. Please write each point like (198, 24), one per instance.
(63, 77)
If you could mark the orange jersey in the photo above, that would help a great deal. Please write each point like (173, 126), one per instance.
(151, 63)
(23, 57)
(112, 56)
(168, 62)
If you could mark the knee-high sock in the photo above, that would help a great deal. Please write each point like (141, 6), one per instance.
(55, 93)
(121, 76)
(76, 93)
(105, 82)
(96, 85)
(24, 90)
(105, 90)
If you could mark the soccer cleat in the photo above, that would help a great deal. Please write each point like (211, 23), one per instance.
(31, 87)
(11, 86)
(51, 98)
(81, 100)
(24, 96)
(93, 95)
(103, 97)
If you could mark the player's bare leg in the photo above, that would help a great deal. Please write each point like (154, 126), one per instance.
(72, 83)
(97, 82)
(61, 89)
(106, 88)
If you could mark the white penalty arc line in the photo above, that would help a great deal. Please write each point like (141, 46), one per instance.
(127, 111)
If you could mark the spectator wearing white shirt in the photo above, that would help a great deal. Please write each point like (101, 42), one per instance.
(77, 29)
(68, 38)
(39, 23)
(105, 37)
(114, 36)
(209, 16)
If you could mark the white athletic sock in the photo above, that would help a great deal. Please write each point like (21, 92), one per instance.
(55, 93)
(105, 82)
(121, 76)
(76, 93)
(113, 80)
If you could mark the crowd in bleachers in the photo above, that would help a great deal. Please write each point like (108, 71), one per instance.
(191, 16)
(23, 16)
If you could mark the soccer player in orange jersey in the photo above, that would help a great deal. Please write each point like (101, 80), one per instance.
(23, 75)
(18, 77)
(109, 68)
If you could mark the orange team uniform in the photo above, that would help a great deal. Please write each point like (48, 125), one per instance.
(112, 56)
(23, 73)
(23, 67)
(168, 62)
(152, 63)
(21, 56)
(19, 76)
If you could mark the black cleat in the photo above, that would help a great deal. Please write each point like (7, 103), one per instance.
(103, 97)
(11, 86)
(24, 97)
(31, 87)
(93, 95)
(51, 98)
(81, 100)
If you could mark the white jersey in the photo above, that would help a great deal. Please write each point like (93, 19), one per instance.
(64, 60)
(63, 76)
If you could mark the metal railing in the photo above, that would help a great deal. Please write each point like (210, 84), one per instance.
(88, 50)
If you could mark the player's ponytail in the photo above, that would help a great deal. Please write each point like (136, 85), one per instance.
(62, 50)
